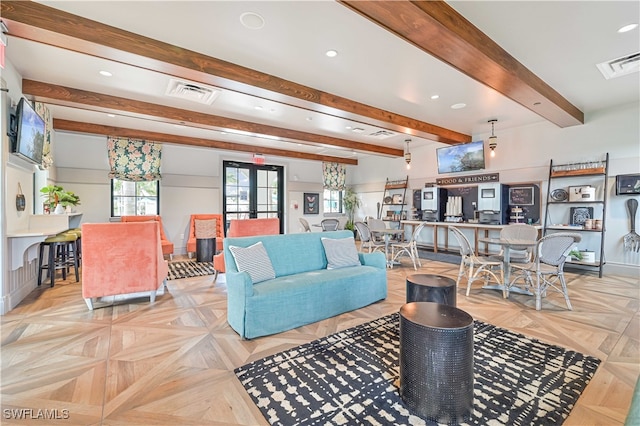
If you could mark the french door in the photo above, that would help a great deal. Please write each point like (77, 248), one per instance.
(252, 191)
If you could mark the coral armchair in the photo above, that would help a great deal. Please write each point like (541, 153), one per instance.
(247, 228)
(191, 242)
(121, 258)
(167, 246)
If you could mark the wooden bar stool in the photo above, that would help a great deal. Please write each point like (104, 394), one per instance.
(59, 256)
(78, 233)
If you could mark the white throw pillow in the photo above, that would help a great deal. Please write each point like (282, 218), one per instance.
(255, 261)
(340, 252)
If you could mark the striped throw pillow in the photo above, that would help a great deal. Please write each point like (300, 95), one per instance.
(255, 261)
(341, 253)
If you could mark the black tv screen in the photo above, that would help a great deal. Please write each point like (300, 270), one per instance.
(461, 158)
(29, 136)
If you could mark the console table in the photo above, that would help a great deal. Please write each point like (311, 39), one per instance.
(40, 227)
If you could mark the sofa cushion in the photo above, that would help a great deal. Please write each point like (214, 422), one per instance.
(205, 228)
(255, 261)
(341, 253)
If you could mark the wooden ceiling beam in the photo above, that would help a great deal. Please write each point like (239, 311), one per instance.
(438, 29)
(66, 96)
(98, 129)
(37, 22)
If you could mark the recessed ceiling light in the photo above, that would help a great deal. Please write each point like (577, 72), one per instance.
(252, 20)
(348, 127)
(628, 28)
(331, 53)
(105, 73)
(435, 96)
(258, 107)
(309, 118)
(111, 115)
(458, 106)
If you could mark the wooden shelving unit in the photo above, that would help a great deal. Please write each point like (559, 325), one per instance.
(579, 174)
(394, 201)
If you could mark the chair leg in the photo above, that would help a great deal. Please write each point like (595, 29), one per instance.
(76, 260)
(53, 247)
(538, 291)
(565, 291)
(89, 302)
(40, 264)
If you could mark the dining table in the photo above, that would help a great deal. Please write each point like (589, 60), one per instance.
(507, 245)
(387, 233)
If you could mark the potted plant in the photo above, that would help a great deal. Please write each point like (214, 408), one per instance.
(575, 254)
(351, 202)
(68, 199)
(51, 195)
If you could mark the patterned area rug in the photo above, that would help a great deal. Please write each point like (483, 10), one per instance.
(348, 378)
(190, 268)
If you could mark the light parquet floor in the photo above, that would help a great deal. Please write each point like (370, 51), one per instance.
(172, 363)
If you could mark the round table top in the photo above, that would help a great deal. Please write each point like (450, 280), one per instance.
(431, 280)
(435, 315)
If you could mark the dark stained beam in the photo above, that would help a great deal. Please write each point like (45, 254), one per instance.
(436, 28)
(98, 129)
(43, 24)
(66, 96)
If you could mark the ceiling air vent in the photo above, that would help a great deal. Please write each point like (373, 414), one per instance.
(621, 66)
(192, 91)
(381, 134)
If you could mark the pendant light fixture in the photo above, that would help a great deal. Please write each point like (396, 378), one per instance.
(493, 139)
(407, 154)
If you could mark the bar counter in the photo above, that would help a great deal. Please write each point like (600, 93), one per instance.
(480, 230)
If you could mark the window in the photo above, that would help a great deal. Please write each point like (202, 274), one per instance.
(134, 198)
(332, 201)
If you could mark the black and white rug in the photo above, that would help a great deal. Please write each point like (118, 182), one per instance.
(348, 378)
(190, 268)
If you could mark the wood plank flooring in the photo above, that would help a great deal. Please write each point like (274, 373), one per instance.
(172, 363)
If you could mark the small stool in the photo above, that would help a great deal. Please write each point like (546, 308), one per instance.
(436, 361)
(59, 258)
(431, 288)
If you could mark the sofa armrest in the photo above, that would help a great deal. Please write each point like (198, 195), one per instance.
(375, 259)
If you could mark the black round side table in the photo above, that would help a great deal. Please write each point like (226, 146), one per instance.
(205, 249)
(436, 361)
(431, 288)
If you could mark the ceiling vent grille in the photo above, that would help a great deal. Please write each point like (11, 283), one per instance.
(621, 66)
(381, 134)
(192, 91)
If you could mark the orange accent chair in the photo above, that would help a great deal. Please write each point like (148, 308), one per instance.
(167, 246)
(191, 242)
(122, 258)
(247, 228)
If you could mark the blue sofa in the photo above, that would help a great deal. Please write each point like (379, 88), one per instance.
(304, 290)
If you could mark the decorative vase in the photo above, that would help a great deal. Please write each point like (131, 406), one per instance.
(69, 209)
(59, 209)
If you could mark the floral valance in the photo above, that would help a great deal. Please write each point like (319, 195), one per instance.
(334, 176)
(47, 156)
(134, 159)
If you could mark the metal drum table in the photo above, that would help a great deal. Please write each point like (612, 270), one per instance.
(436, 361)
(431, 288)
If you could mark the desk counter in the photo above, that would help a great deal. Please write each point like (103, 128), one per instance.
(480, 230)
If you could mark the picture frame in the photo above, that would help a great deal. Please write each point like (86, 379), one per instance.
(311, 203)
(578, 215)
(628, 184)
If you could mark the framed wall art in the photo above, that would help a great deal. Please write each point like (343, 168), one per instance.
(627, 184)
(311, 203)
(578, 215)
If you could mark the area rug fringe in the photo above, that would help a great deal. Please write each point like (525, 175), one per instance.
(190, 268)
(349, 378)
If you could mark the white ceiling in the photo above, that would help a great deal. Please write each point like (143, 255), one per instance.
(561, 42)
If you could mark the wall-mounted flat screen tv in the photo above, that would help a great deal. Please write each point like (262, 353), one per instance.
(28, 134)
(461, 158)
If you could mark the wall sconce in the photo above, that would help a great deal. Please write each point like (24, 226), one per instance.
(493, 139)
(407, 154)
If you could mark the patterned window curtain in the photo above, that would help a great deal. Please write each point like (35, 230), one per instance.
(334, 176)
(134, 159)
(47, 156)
